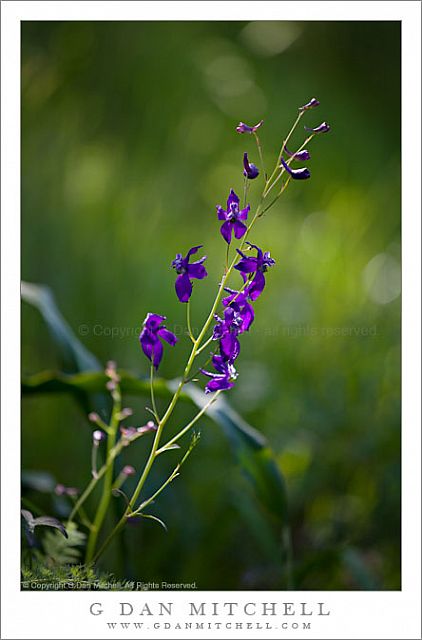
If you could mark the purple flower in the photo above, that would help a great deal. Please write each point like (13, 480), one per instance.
(296, 174)
(224, 378)
(244, 128)
(258, 265)
(226, 331)
(250, 171)
(150, 338)
(239, 302)
(300, 155)
(310, 105)
(322, 128)
(232, 216)
(186, 272)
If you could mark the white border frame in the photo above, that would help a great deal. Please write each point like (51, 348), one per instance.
(353, 614)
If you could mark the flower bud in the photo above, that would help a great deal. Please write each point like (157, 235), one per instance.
(97, 436)
(245, 128)
(250, 170)
(296, 174)
(128, 470)
(93, 417)
(310, 105)
(322, 128)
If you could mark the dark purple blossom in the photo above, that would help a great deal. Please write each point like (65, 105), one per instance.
(226, 331)
(233, 217)
(238, 300)
(257, 265)
(224, 378)
(322, 128)
(296, 174)
(299, 155)
(244, 128)
(313, 102)
(250, 170)
(150, 338)
(186, 272)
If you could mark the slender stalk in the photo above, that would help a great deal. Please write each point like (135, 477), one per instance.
(288, 162)
(189, 322)
(171, 477)
(108, 478)
(151, 384)
(188, 426)
(258, 144)
(285, 141)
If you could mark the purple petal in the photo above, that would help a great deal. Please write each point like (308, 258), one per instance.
(250, 171)
(232, 199)
(322, 128)
(183, 287)
(243, 213)
(243, 128)
(148, 340)
(310, 105)
(239, 229)
(153, 320)
(221, 214)
(218, 384)
(248, 316)
(167, 335)
(219, 364)
(296, 174)
(226, 231)
(257, 286)
(157, 353)
(197, 269)
(300, 155)
(229, 347)
(258, 250)
(193, 250)
(247, 265)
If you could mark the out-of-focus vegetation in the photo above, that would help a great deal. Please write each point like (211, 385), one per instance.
(128, 143)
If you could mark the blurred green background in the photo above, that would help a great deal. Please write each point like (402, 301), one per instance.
(128, 143)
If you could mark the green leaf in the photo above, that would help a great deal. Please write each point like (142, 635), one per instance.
(64, 551)
(75, 357)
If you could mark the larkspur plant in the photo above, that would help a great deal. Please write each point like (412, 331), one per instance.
(223, 330)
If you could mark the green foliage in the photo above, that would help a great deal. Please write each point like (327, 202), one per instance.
(40, 577)
(59, 550)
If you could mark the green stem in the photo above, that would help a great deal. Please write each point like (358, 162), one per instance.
(261, 157)
(189, 322)
(151, 384)
(188, 426)
(108, 479)
(285, 141)
(288, 162)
